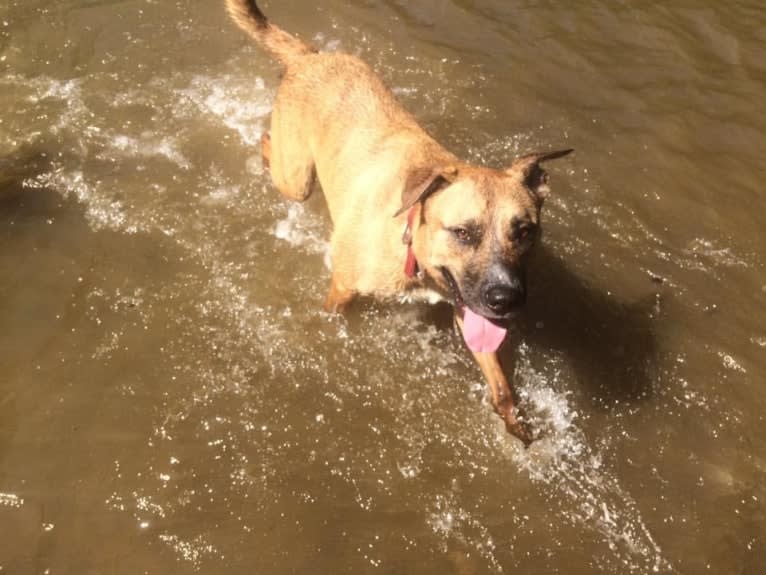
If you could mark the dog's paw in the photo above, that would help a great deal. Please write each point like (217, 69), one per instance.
(514, 423)
(520, 429)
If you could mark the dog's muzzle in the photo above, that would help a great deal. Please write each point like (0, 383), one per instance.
(503, 299)
(503, 290)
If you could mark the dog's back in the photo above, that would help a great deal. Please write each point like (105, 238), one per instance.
(334, 119)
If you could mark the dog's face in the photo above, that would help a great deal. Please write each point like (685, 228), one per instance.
(477, 229)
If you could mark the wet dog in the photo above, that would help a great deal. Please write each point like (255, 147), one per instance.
(409, 217)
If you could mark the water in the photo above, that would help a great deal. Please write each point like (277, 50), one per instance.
(173, 399)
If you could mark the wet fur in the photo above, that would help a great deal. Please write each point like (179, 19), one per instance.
(335, 121)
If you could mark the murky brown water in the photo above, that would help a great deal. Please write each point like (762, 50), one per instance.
(172, 399)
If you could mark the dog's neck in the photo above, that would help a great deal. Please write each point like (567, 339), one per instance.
(411, 268)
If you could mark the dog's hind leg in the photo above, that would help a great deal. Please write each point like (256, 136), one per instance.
(338, 297)
(288, 154)
(265, 149)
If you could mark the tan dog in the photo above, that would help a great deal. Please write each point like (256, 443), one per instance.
(409, 217)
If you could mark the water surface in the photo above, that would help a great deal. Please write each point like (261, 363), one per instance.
(173, 399)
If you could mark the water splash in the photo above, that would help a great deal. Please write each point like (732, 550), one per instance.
(238, 104)
(147, 145)
(300, 229)
(565, 461)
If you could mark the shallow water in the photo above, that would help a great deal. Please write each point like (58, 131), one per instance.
(172, 399)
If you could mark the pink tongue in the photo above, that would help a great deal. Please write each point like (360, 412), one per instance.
(481, 335)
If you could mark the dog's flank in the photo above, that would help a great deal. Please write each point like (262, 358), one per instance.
(283, 46)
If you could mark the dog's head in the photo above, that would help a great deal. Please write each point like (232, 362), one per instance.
(477, 226)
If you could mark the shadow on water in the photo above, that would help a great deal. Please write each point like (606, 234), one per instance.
(30, 287)
(14, 169)
(58, 280)
(611, 344)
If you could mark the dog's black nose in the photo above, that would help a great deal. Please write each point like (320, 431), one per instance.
(502, 299)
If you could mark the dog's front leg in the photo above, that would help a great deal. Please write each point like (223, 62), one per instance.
(503, 396)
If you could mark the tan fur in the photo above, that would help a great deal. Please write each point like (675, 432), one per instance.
(334, 120)
(282, 45)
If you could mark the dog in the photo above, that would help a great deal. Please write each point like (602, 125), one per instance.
(409, 217)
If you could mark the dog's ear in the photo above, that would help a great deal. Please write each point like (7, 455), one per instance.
(423, 181)
(535, 178)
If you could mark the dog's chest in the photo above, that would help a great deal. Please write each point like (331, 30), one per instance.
(421, 294)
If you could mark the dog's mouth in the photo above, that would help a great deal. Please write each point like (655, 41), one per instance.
(452, 283)
(481, 333)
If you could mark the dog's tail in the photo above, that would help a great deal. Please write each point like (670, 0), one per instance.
(283, 46)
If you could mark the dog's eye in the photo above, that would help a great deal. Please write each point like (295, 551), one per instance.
(524, 232)
(463, 235)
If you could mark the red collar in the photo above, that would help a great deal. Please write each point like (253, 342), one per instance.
(411, 268)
